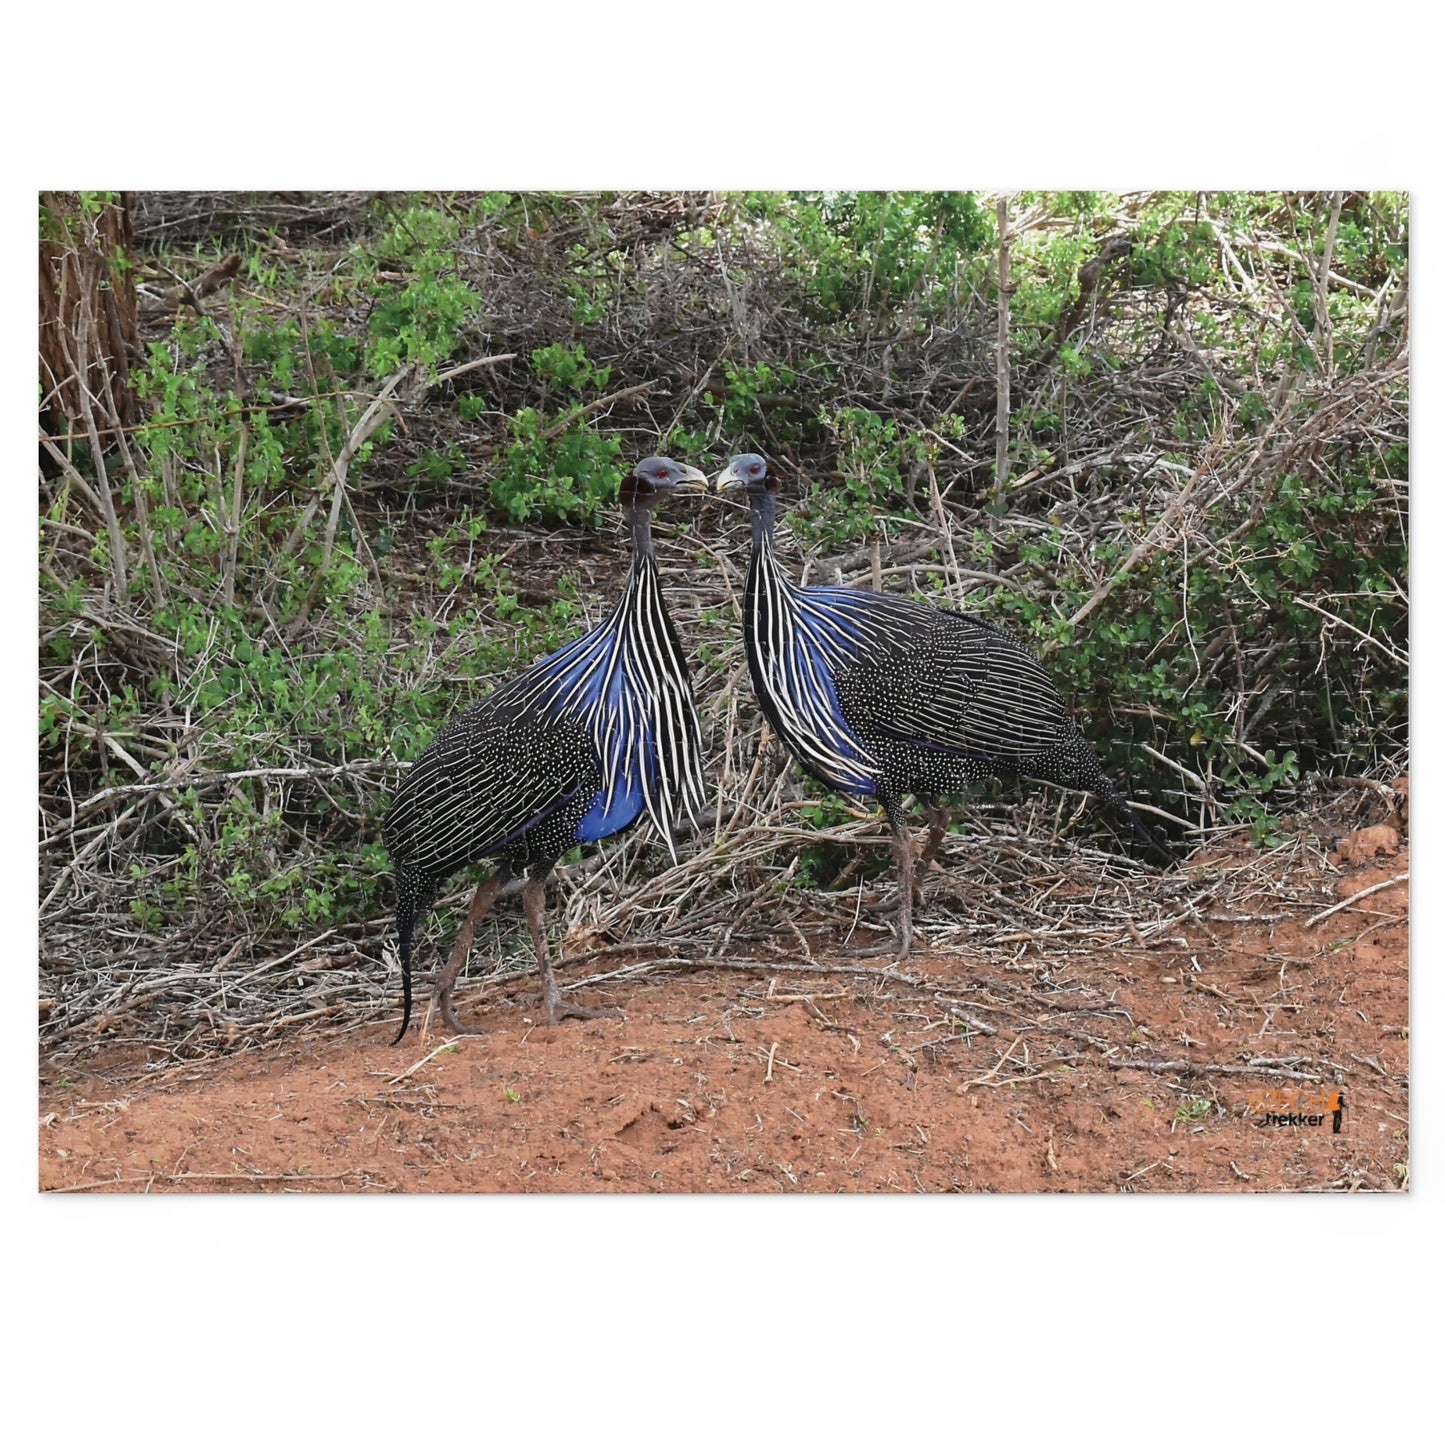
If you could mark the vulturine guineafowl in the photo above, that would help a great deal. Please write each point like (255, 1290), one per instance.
(576, 748)
(884, 696)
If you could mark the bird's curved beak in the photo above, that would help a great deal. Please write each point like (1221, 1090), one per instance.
(692, 480)
(727, 478)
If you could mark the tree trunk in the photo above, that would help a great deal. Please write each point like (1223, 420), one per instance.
(88, 341)
(87, 346)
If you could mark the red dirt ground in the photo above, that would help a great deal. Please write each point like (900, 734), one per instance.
(780, 1075)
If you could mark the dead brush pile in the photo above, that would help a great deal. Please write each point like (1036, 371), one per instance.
(379, 444)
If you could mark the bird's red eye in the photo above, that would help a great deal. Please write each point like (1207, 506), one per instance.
(661, 473)
(753, 470)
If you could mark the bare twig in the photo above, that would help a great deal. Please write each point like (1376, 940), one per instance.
(1356, 897)
(1151, 542)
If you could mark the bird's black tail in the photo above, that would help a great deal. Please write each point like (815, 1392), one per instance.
(414, 895)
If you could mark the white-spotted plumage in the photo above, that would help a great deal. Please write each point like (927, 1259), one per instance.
(889, 697)
(576, 748)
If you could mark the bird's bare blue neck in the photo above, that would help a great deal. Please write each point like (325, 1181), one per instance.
(765, 515)
(639, 526)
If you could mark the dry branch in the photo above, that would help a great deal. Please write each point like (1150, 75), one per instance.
(1153, 540)
(1356, 897)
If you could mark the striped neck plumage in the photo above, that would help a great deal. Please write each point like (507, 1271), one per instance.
(764, 557)
(650, 730)
(796, 640)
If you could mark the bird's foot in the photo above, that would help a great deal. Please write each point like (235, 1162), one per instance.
(898, 946)
(888, 907)
(891, 949)
(444, 1004)
(558, 1008)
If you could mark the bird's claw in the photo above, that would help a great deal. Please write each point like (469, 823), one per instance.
(558, 1008)
(444, 1005)
(877, 950)
(888, 907)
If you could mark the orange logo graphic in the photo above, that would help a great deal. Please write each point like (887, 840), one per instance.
(1298, 1106)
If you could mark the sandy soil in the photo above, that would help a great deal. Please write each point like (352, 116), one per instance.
(1139, 1070)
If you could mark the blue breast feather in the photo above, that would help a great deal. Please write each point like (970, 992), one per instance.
(588, 682)
(827, 634)
(817, 677)
(607, 817)
(610, 813)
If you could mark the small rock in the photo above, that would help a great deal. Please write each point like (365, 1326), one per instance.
(1366, 843)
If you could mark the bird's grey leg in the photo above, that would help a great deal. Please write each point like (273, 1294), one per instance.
(482, 901)
(534, 902)
(938, 821)
(903, 851)
(903, 856)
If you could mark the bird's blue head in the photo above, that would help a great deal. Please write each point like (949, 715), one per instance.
(654, 478)
(747, 471)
